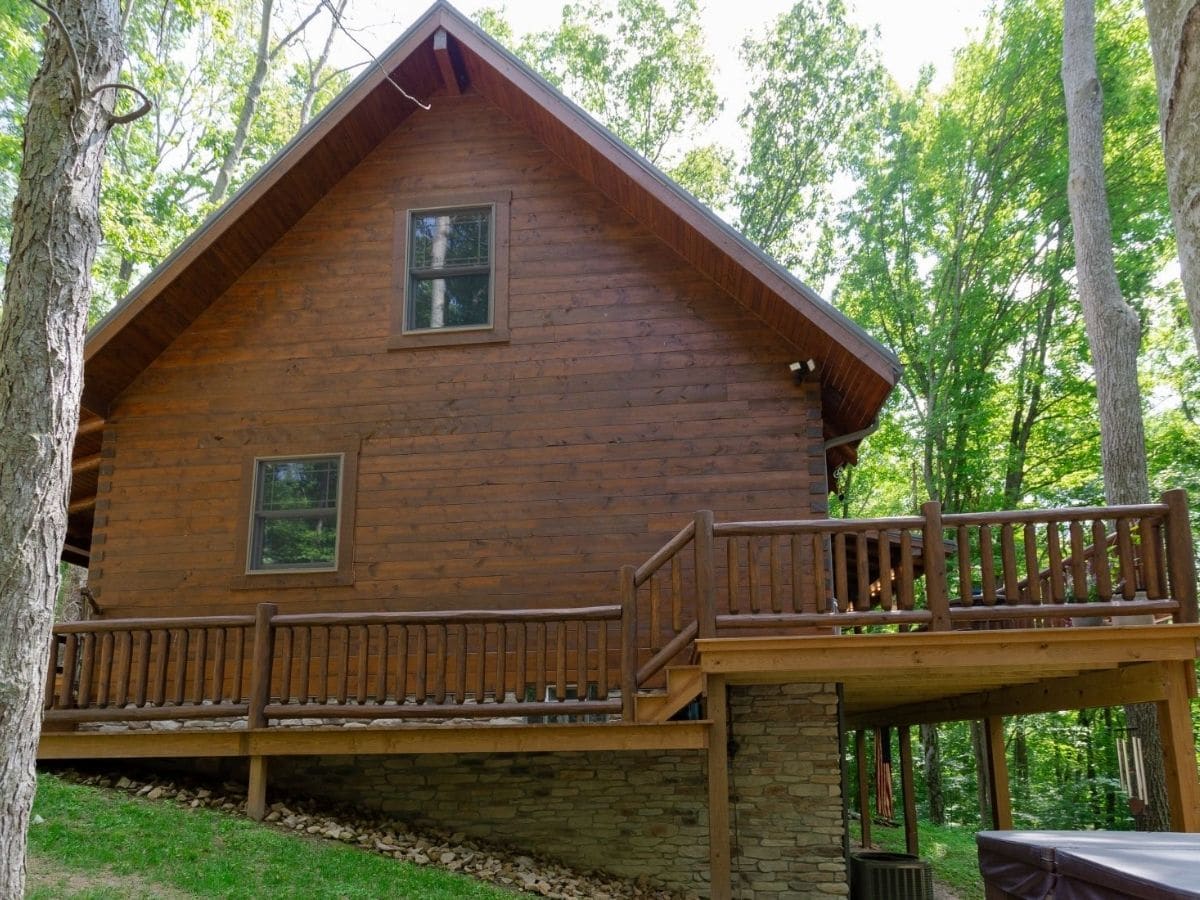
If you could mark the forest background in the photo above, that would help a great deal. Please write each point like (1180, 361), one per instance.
(935, 215)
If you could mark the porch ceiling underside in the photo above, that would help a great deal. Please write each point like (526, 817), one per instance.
(903, 679)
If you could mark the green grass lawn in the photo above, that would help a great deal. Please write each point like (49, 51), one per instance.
(951, 850)
(205, 853)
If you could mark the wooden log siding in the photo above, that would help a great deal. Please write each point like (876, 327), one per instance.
(632, 391)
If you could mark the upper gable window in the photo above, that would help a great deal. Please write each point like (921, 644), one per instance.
(451, 272)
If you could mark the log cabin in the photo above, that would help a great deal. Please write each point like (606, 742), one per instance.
(462, 422)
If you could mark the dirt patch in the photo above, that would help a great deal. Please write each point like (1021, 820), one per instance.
(47, 878)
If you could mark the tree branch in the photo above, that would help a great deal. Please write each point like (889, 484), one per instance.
(77, 69)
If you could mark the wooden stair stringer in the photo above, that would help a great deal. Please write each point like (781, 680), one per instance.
(684, 684)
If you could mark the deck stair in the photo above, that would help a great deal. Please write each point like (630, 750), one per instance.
(684, 684)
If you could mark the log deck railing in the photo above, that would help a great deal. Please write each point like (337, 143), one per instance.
(1025, 569)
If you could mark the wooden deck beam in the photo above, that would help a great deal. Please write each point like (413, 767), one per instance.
(374, 741)
(1137, 683)
(908, 792)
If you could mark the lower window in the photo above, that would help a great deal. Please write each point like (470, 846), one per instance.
(295, 515)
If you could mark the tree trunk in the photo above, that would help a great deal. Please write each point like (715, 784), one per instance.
(1175, 45)
(931, 752)
(262, 61)
(983, 780)
(55, 230)
(1114, 333)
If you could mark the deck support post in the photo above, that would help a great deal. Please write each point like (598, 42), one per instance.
(629, 630)
(256, 790)
(1181, 555)
(907, 792)
(718, 790)
(934, 550)
(1175, 730)
(864, 786)
(260, 664)
(706, 579)
(1001, 799)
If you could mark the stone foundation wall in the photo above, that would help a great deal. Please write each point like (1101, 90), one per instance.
(632, 814)
(636, 814)
(786, 788)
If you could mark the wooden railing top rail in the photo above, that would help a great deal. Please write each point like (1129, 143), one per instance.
(664, 554)
(453, 617)
(998, 517)
(1038, 516)
(100, 626)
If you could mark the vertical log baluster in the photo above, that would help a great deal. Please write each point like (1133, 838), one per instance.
(560, 661)
(581, 658)
(86, 671)
(158, 686)
(402, 664)
(629, 635)
(501, 662)
(883, 547)
(239, 665)
(752, 586)
(522, 661)
(1125, 559)
(798, 603)
(198, 670)
(602, 661)
(862, 567)
(820, 558)
(48, 695)
(422, 660)
(323, 682)
(180, 686)
(343, 676)
(218, 688)
(1058, 590)
(143, 667)
(776, 581)
(937, 596)
(987, 565)
(1101, 570)
(907, 572)
(124, 665)
(441, 663)
(481, 671)
(362, 662)
(1033, 569)
(381, 687)
(1148, 543)
(460, 664)
(1008, 560)
(540, 659)
(966, 581)
(733, 574)
(304, 662)
(841, 580)
(104, 670)
(676, 593)
(655, 621)
(1079, 581)
(286, 639)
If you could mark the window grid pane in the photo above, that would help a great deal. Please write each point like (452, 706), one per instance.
(449, 270)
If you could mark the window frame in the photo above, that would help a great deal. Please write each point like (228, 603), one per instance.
(496, 330)
(342, 572)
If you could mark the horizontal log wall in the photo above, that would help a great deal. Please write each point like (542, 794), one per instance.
(522, 474)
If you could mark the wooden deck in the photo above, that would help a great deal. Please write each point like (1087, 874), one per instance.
(1017, 612)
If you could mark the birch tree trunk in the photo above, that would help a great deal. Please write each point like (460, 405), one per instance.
(1175, 45)
(46, 294)
(1113, 329)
